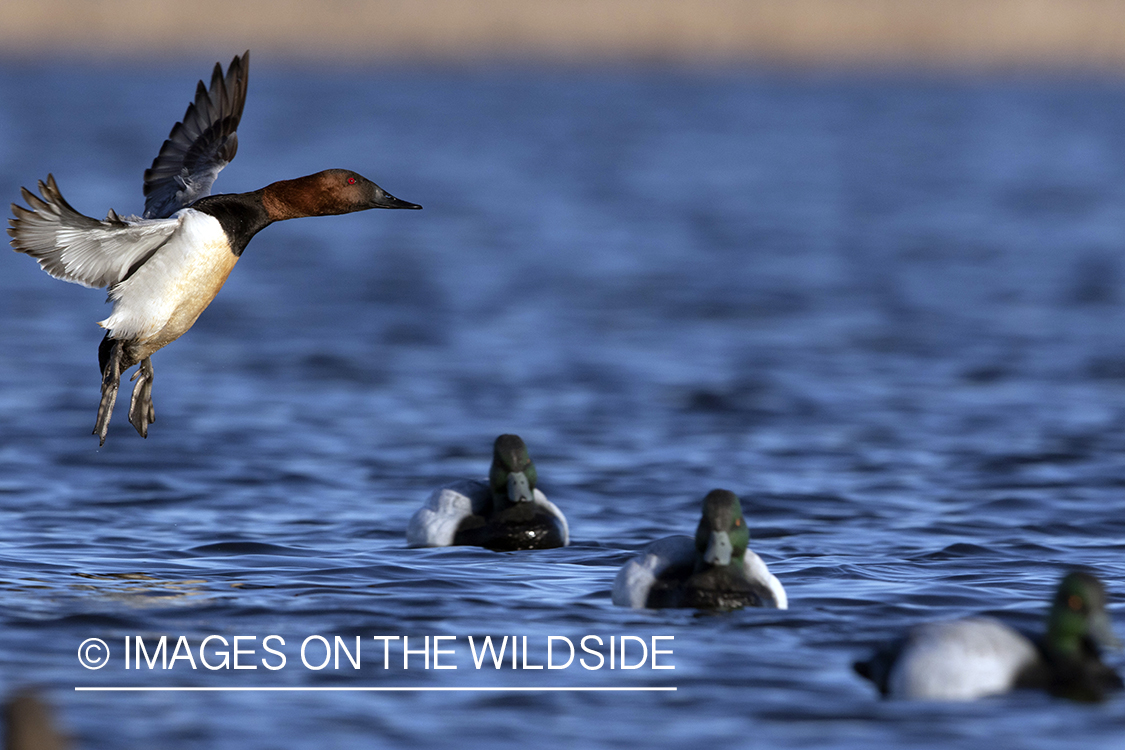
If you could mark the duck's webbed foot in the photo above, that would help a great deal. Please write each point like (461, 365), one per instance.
(111, 379)
(141, 411)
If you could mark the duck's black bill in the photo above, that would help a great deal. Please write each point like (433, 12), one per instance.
(389, 201)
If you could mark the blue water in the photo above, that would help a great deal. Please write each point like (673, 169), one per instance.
(887, 311)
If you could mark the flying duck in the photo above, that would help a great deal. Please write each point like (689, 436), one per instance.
(164, 268)
(979, 656)
(714, 570)
(505, 513)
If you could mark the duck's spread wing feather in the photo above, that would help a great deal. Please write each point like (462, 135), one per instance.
(200, 145)
(74, 247)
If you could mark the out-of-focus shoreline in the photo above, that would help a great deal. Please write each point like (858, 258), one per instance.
(967, 34)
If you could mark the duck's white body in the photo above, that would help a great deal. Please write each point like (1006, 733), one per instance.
(634, 581)
(435, 523)
(166, 295)
(960, 660)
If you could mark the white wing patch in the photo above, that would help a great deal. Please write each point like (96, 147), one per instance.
(635, 579)
(76, 248)
(435, 524)
(541, 500)
(757, 571)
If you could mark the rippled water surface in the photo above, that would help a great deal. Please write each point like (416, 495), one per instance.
(888, 312)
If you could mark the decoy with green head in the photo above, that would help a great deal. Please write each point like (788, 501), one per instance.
(714, 570)
(980, 656)
(512, 476)
(508, 512)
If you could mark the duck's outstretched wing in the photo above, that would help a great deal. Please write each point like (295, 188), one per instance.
(200, 145)
(74, 247)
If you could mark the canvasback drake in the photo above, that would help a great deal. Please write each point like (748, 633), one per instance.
(715, 570)
(505, 513)
(979, 656)
(164, 268)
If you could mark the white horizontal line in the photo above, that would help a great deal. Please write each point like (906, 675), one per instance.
(374, 689)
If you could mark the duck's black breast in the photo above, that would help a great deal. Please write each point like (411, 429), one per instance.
(1084, 677)
(524, 526)
(721, 588)
(241, 215)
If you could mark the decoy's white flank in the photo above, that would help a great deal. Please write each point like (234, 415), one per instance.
(164, 268)
(508, 512)
(979, 656)
(713, 570)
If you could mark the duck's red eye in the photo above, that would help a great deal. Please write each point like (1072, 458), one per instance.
(351, 180)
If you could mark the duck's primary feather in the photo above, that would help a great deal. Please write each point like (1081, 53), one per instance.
(200, 145)
(76, 248)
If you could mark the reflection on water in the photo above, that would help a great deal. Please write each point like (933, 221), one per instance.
(887, 313)
(142, 590)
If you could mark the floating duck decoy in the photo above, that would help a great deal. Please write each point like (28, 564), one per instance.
(508, 512)
(164, 268)
(714, 570)
(980, 656)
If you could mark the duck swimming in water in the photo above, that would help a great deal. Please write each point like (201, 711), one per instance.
(979, 656)
(164, 268)
(508, 512)
(713, 570)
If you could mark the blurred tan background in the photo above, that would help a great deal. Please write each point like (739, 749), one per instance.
(958, 33)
